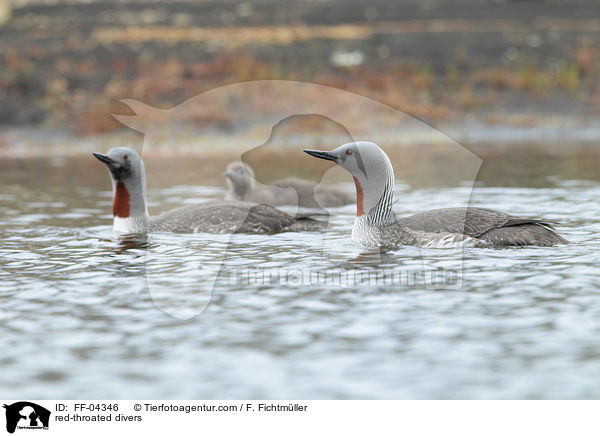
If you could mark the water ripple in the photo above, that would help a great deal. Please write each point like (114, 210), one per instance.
(523, 323)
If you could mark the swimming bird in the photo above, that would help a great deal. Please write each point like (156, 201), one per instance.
(376, 224)
(242, 187)
(130, 210)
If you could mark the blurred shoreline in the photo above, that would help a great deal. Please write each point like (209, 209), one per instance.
(482, 72)
(481, 139)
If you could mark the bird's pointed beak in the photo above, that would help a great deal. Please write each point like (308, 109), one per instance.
(322, 155)
(104, 158)
(228, 175)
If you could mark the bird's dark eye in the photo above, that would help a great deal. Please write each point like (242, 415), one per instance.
(125, 157)
(349, 152)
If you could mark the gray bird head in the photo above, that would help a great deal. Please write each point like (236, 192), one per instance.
(240, 178)
(370, 166)
(123, 163)
(128, 177)
(364, 160)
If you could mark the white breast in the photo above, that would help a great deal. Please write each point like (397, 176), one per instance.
(130, 225)
(394, 235)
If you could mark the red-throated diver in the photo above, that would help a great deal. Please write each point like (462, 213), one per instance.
(242, 187)
(376, 224)
(130, 211)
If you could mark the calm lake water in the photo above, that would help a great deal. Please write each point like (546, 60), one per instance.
(87, 315)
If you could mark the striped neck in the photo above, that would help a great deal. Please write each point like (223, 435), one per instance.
(381, 213)
(368, 227)
(374, 197)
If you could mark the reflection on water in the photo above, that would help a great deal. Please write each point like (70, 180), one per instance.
(79, 313)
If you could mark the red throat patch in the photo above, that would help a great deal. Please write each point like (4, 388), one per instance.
(121, 201)
(360, 196)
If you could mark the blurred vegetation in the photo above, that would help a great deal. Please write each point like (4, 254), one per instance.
(68, 63)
